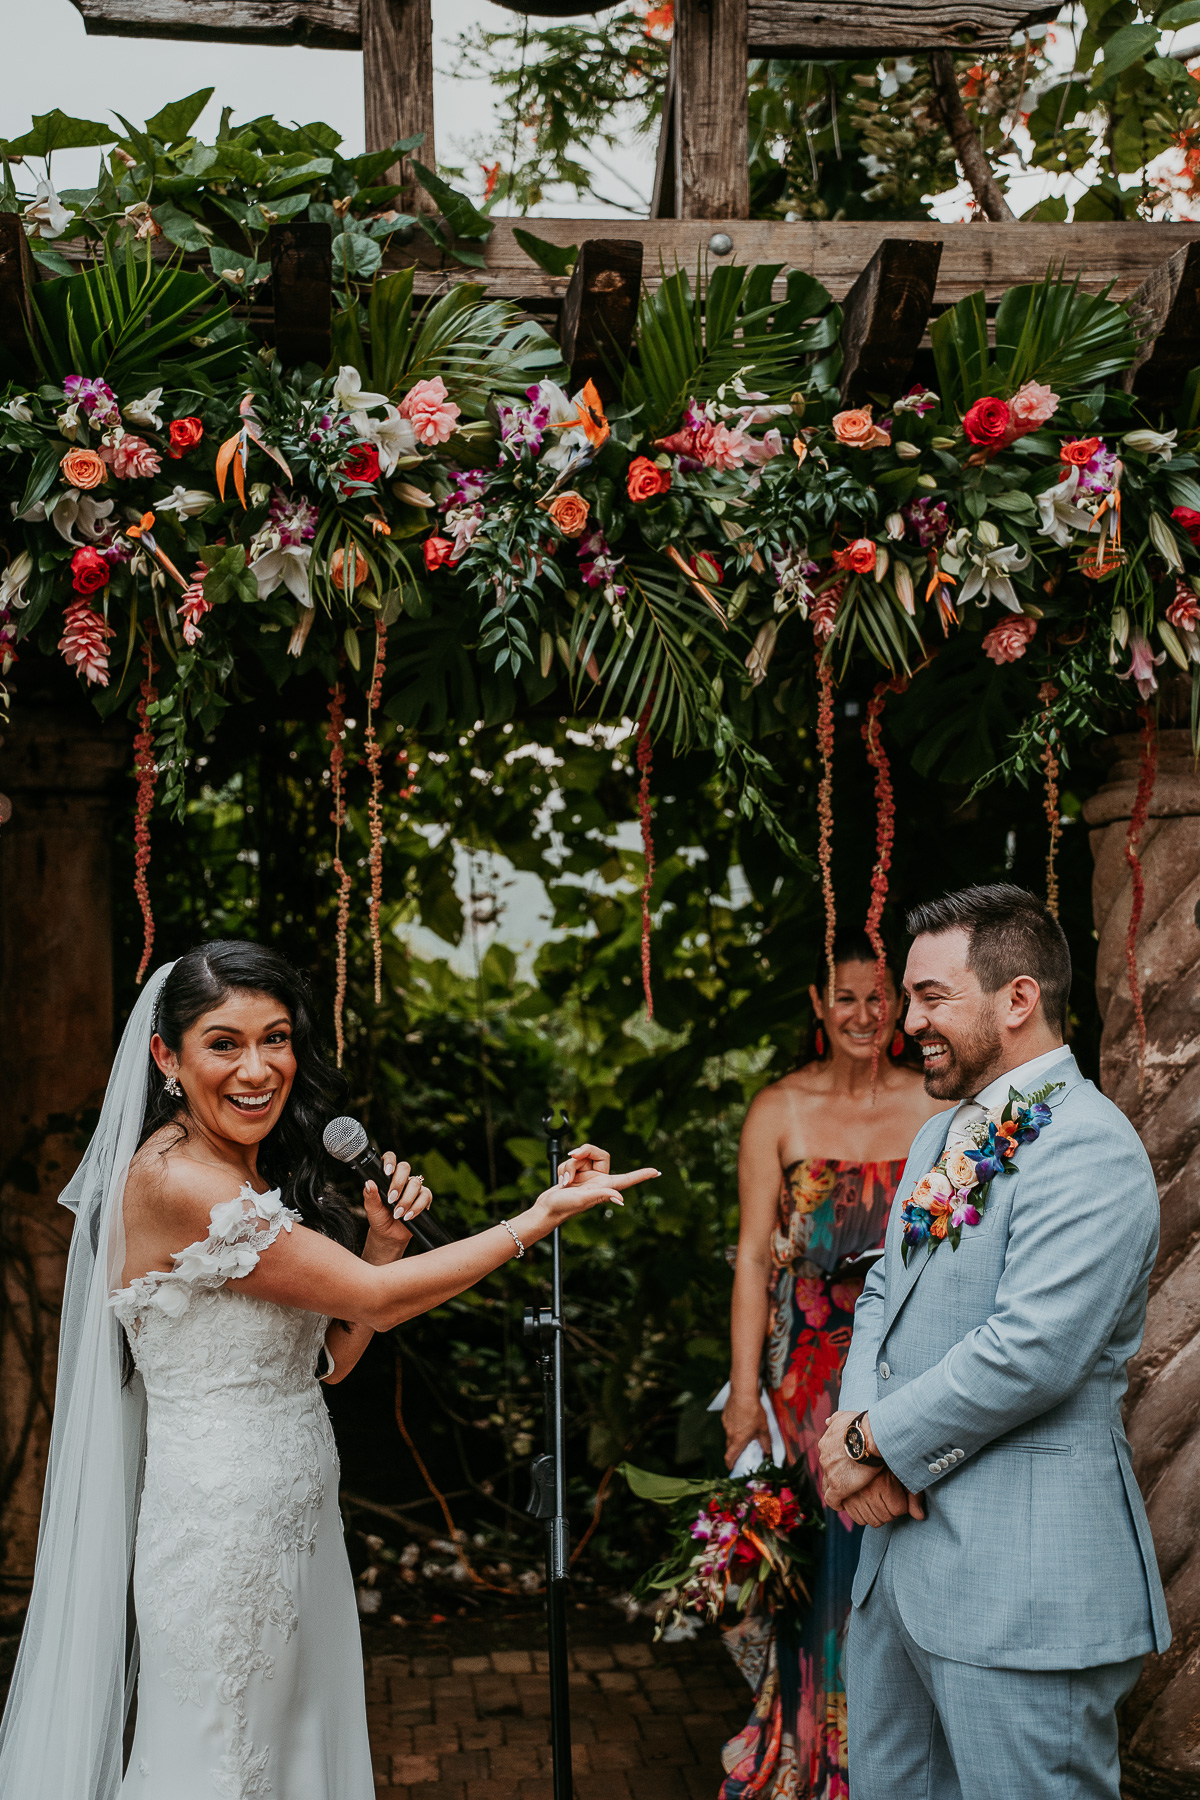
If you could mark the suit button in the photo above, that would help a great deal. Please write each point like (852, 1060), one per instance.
(885, 1373)
(958, 1455)
(933, 1468)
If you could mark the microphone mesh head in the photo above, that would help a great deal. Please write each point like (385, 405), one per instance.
(344, 1139)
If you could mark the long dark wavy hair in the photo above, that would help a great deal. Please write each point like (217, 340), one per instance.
(291, 1156)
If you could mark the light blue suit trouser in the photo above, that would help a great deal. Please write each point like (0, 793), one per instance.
(925, 1728)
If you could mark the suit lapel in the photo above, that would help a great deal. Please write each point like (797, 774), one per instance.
(901, 1281)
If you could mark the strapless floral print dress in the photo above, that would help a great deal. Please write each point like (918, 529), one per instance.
(794, 1745)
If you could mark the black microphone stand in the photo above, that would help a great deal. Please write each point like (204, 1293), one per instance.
(548, 1498)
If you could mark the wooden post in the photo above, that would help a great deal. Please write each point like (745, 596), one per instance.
(1162, 1751)
(302, 291)
(711, 124)
(58, 765)
(397, 43)
(662, 198)
(1168, 307)
(600, 309)
(17, 276)
(884, 316)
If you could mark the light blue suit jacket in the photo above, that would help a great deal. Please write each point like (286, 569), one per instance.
(1003, 1364)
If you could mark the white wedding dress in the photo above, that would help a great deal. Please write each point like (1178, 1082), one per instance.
(251, 1678)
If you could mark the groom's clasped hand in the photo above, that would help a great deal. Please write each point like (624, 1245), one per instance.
(868, 1494)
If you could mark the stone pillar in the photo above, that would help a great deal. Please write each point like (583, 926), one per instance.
(1162, 1719)
(58, 768)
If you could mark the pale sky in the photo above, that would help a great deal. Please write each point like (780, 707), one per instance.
(92, 77)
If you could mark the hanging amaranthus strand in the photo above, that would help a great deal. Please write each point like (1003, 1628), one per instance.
(825, 812)
(1147, 773)
(885, 832)
(336, 732)
(146, 770)
(1048, 694)
(374, 808)
(645, 763)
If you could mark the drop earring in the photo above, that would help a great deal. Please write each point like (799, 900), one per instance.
(173, 1088)
(820, 1041)
(898, 1044)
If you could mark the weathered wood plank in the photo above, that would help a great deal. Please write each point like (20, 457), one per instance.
(1168, 307)
(711, 137)
(662, 198)
(600, 309)
(884, 317)
(302, 290)
(992, 257)
(322, 24)
(17, 275)
(857, 27)
(397, 41)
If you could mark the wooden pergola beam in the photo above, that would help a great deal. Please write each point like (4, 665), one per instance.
(600, 309)
(803, 29)
(884, 317)
(321, 24)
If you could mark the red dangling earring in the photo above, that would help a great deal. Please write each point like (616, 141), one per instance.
(820, 1042)
(898, 1044)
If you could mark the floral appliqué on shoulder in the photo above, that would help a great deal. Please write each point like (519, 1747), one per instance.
(955, 1191)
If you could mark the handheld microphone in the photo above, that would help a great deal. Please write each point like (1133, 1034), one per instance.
(346, 1141)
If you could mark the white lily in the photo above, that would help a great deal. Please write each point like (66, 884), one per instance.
(47, 212)
(564, 446)
(13, 579)
(68, 422)
(1152, 443)
(145, 411)
(348, 395)
(70, 510)
(392, 436)
(19, 409)
(990, 576)
(1060, 516)
(186, 503)
(287, 564)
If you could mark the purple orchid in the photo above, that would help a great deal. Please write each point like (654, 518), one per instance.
(93, 397)
(928, 520)
(294, 518)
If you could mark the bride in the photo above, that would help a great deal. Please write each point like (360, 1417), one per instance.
(210, 1283)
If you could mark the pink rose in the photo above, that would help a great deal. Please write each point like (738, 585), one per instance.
(1008, 641)
(132, 458)
(1029, 408)
(430, 411)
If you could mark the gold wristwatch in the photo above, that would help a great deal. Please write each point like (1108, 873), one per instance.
(856, 1444)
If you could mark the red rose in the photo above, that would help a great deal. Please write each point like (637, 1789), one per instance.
(185, 435)
(859, 556)
(987, 422)
(1079, 452)
(89, 571)
(714, 567)
(1188, 522)
(362, 464)
(437, 550)
(646, 479)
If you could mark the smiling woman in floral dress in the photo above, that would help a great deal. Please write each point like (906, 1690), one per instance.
(820, 1160)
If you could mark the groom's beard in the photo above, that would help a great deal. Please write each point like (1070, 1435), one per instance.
(966, 1063)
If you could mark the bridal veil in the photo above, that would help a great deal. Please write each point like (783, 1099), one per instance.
(61, 1735)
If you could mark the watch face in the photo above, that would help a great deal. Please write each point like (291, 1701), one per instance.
(855, 1443)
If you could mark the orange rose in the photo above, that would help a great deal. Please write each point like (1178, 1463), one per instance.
(1079, 453)
(858, 556)
(570, 513)
(337, 569)
(82, 469)
(646, 479)
(856, 428)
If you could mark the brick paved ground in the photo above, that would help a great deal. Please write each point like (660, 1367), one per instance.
(646, 1720)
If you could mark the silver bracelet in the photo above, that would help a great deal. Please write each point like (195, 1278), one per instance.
(516, 1240)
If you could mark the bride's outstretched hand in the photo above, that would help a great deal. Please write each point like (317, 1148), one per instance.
(584, 1181)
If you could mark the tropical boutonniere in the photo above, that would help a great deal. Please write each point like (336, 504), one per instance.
(956, 1189)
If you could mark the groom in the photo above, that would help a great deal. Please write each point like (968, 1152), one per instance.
(1008, 1591)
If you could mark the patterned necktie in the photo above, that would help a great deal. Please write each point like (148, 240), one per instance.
(969, 1114)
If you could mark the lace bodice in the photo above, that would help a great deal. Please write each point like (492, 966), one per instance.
(238, 1457)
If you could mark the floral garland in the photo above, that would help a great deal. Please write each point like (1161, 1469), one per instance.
(885, 832)
(957, 1188)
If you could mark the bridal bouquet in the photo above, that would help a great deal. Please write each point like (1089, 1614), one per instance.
(734, 1542)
